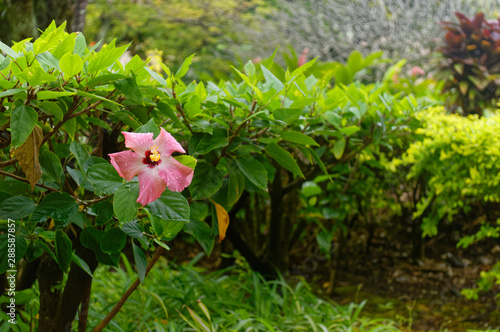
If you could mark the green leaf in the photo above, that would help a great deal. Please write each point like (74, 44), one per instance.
(257, 91)
(104, 212)
(90, 238)
(51, 108)
(334, 119)
(49, 40)
(66, 46)
(8, 50)
(125, 203)
(80, 45)
(207, 180)
(271, 79)
(41, 95)
(149, 127)
(82, 264)
(79, 152)
(99, 122)
(338, 148)
(129, 88)
(310, 189)
(132, 229)
(184, 67)
(34, 251)
(105, 79)
(105, 57)
(70, 127)
(171, 206)
(186, 160)
(235, 186)
(63, 250)
(95, 96)
(140, 261)
(71, 64)
(48, 59)
(113, 241)
(204, 143)
(11, 92)
(350, 130)
(254, 171)
(284, 158)
(288, 115)
(202, 233)
(299, 138)
(51, 165)
(36, 76)
(104, 178)
(192, 107)
(156, 76)
(23, 120)
(20, 246)
(16, 207)
(58, 206)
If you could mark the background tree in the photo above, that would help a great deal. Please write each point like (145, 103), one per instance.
(24, 18)
(333, 29)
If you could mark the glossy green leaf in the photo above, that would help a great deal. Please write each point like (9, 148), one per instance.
(254, 171)
(338, 148)
(51, 165)
(171, 206)
(71, 64)
(184, 67)
(299, 138)
(63, 250)
(125, 203)
(207, 180)
(140, 260)
(113, 241)
(104, 178)
(16, 207)
(284, 158)
(56, 205)
(23, 120)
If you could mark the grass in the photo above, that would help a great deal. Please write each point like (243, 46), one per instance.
(175, 298)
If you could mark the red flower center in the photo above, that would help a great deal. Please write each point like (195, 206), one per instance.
(151, 162)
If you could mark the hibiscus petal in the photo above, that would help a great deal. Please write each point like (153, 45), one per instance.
(139, 142)
(176, 175)
(151, 185)
(127, 163)
(167, 144)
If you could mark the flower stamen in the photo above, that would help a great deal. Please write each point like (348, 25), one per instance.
(155, 155)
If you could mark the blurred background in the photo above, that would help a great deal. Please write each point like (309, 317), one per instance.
(234, 31)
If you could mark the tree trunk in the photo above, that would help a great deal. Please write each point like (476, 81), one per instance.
(24, 18)
(18, 21)
(50, 278)
(80, 10)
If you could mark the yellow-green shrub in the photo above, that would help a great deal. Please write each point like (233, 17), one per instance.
(459, 160)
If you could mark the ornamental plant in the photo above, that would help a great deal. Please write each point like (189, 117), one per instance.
(78, 127)
(456, 158)
(471, 64)
(65, 111)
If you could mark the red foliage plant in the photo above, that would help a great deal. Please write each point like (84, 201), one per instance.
(471, 64)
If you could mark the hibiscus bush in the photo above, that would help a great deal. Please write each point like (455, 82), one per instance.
(94, 161)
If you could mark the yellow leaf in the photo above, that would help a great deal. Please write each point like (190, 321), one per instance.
(223, 220)
(28, 154)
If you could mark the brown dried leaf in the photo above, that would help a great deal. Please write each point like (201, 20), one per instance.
(28, 154)
(223, 220)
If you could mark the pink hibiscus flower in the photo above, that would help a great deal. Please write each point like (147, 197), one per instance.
(152, 161)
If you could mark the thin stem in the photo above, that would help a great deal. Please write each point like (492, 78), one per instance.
(25, 180)
(127, 293)
(8, 162)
